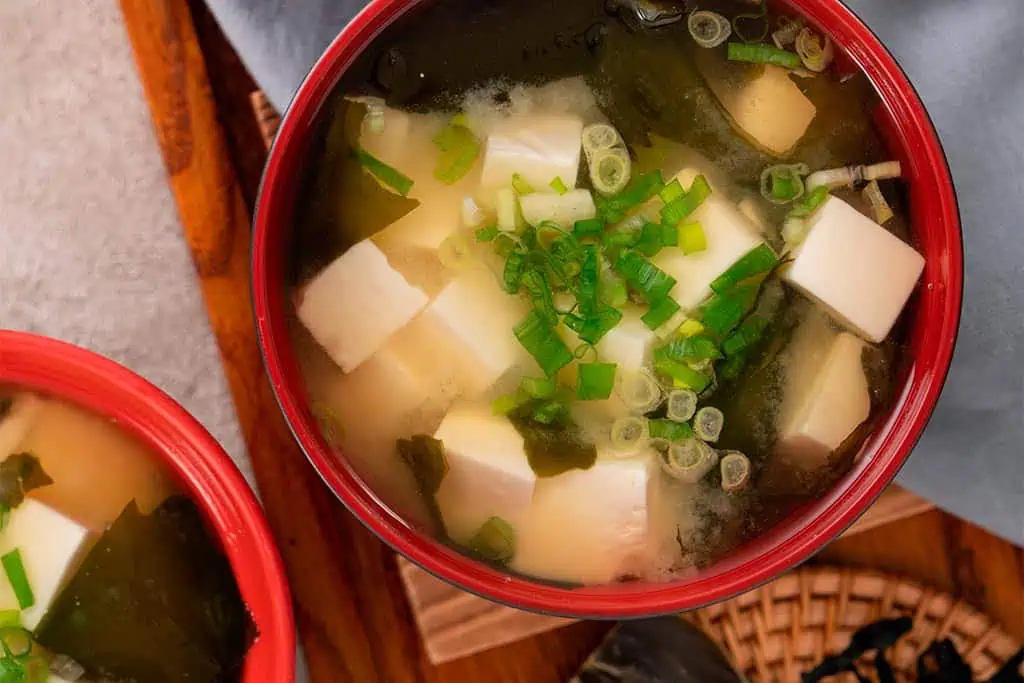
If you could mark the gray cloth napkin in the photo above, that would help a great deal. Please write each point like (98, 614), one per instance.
(966, 60)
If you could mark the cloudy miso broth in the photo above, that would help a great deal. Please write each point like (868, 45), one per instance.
(108, 570)
(598, 291)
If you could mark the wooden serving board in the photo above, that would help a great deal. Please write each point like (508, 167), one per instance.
(454, 623)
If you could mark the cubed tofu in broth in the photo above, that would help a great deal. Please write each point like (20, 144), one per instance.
(537, 148)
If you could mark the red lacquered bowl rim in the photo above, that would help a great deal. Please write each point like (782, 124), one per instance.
(207, 473)
(936, 321)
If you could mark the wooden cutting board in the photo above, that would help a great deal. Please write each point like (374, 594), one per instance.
(454, 623)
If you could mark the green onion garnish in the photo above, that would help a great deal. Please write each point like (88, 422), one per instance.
(763, 54)
(644, 277)
(809, 203)
(641, 189)
(783, 183)
(613, 290)
(592, 329)
(708, 423)
(495, 540)
(512, 277)
(669, 430)
(549, 412)
(746, 335)
(589, 281)
(487, 233)
(682, 375)
(690, 328)
(558, 186)
(15, 569)
(539, 338)
(621, 238)
(650, 242)
(691, 238)
(724, 311)
(537, 387)
(733, 365)
(669, 236)
(588, 227)
(659, 312)
(503, 405)
(459, 150)
(10, 618)
(520, 185)
(536, 285)
(758, 260)
(391, 177)
(595, 381)
(684, 205)
(671, 191)
(689, 350)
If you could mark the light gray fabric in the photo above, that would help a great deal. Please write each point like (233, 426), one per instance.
(91, 248)
(966, 60)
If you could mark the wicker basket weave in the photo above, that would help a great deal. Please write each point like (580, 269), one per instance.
(783, 628)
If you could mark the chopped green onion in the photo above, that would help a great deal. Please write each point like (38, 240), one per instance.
(671, 191)
(588, 227)
(506, 205)
(735, 469)
(640, 392)
(549, 412)
(733, 365)
(880, 207)
(629, 433)
(745, 336)
(669, 430)
(495, 540)
(761, 16)
(459, 150)
(609, 170)
(683, 206)
(644, 277)
(583, 350)
(536, 285)
(708, 423)
(763, 54)
(537, 387)
(708, 29)
(689, 460)
(815, 51)
(681, 405)
(783, 183)
(520, 185)
(621, 238)
(810, 202)
(592, 329)
(10, 618)
(650, 242)
(691, 349)
(512, 277)
(669, 236)
(599, 136)
(595, 381)
(682, 374)
(503, 405)
(724, 311)
(539, 338)
(612, 290)
(487, 234)
(659, 312)
(691, 327)
(637, 192)
(391, 177)
(558, 186)
(691, 238)
(761, 259)
(589, 281)
(15, 570)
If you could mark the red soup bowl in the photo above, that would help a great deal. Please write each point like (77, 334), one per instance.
(933, 322)
(202, 469)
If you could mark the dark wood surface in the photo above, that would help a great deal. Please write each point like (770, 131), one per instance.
(353, 617)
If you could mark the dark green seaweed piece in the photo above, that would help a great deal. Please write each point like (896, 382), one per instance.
(154, 600)
(425, 457)
(552, 449)
(19, 474)
(659, 650)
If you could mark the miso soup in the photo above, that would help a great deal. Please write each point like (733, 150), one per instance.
(109, 573)
(597, 291)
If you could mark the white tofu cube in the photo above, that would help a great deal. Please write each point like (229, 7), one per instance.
(770, 109)
(355, 304)
(563, 209)
(826, 399)
(51, 547)
(538, 148)
(479, 317)
(729, 236)
(858, 270)
(630, 344)
(425, 227)
(488, 473)
(15, 426)
(589, 526)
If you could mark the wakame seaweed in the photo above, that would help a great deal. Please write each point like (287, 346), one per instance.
(552, 449)
(19, 474)
(154, 600)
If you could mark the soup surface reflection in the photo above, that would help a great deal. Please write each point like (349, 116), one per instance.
(597, 291)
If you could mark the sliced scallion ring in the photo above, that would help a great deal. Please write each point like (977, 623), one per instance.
(708, 29)
(783, 183)
(689, 460)
(786, 34)
(816, 51)
(708, 423)
(735, 469)
(639, 391)
(600, 136)
(610, 170)
(682, 404)
(880, 207)
(629, 434)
